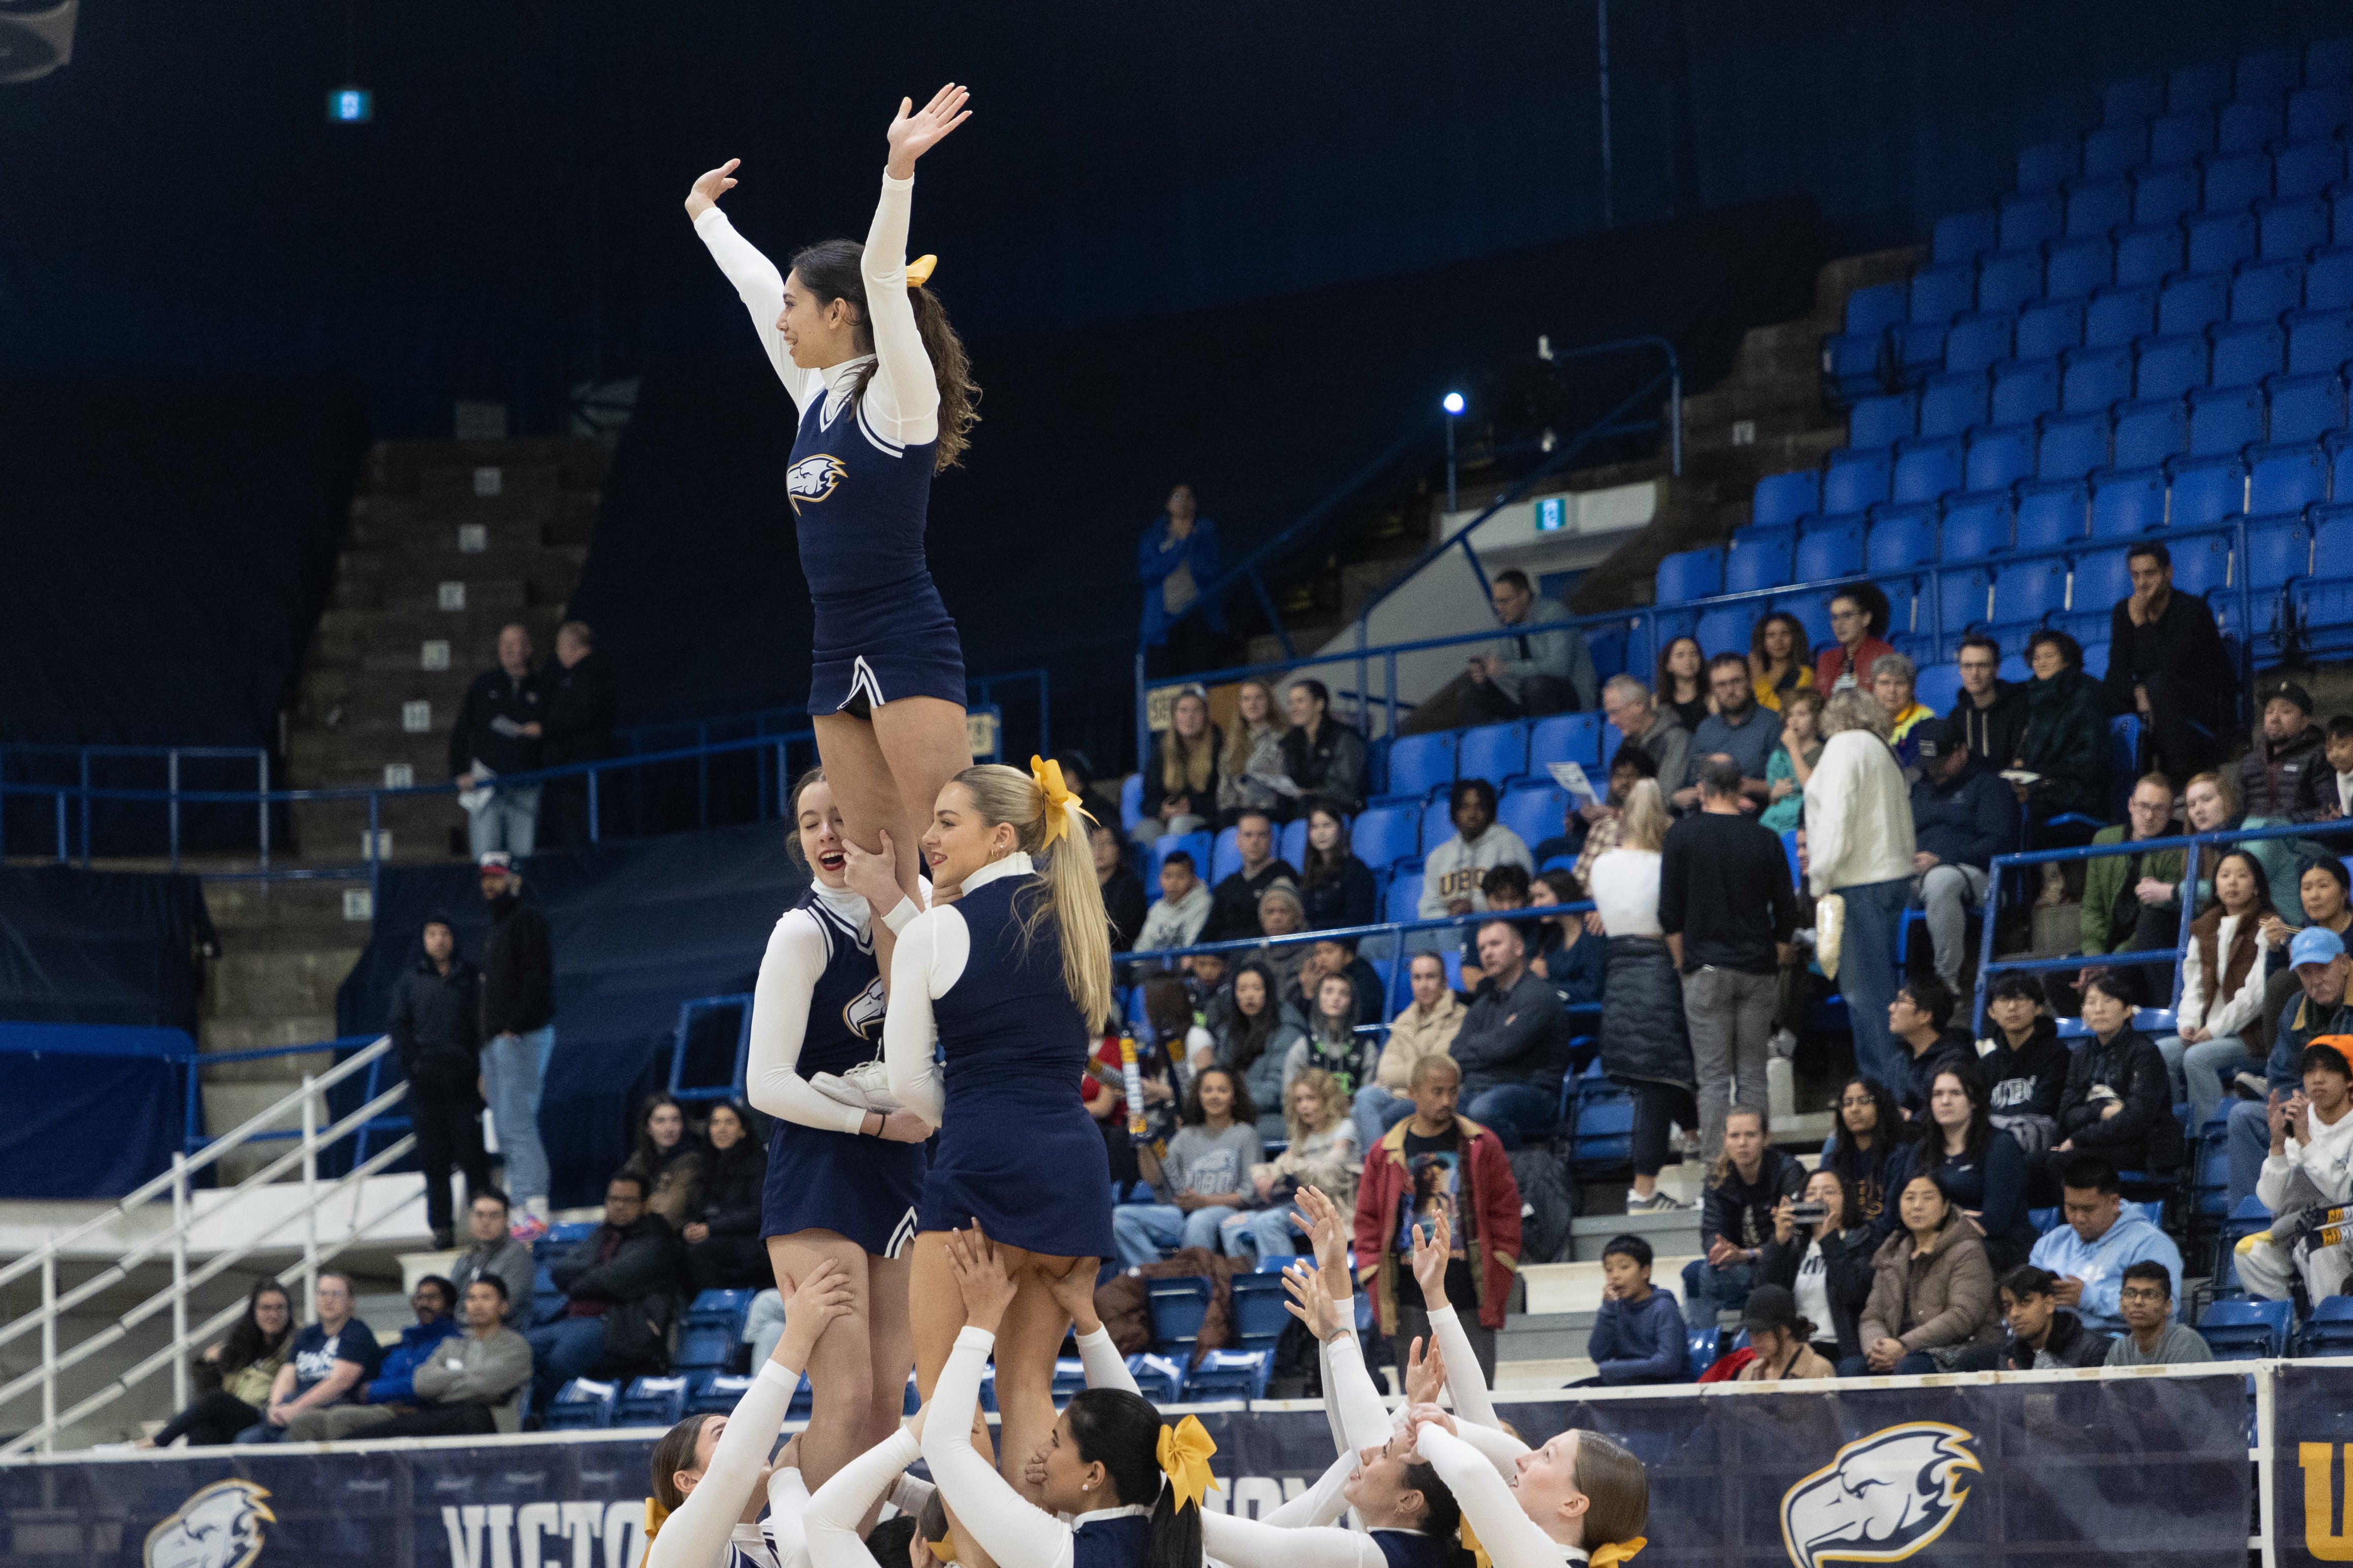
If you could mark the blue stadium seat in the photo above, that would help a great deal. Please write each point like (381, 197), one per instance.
(1726, 630)
(710, 1334)
(1962, 597)
(2127, 501)
(583, 1404)
(1832, 548)
(1403, 899)
(2169, 366)
(1420, 763)
(1925, 469)
(1259, 1314)
(1384, 834)
(1999, 456)
(1603, 1140)
(2101, 579)
(2074, 267)
(2290, 230)
(2303, 408)
(2245, 353)
(2047, 330)
(1758, 558)
(2318, 111)
(2028, 591)
(1852, 481)
(2328, 280)
(1437, 824)
(1070, 1379)
(2245, 1331)
(1226, 855)
(2201, 566)
(2285, 479)
(2225, 419)
(1914, 349)
(2264, 290)
(1972, 344)
(2188, 303)
(2148, 432)
(2009, 279)
(2218, 242)
(2205, 489)
(2279, 548)
(1130, 802)
(2174, 138)
(2148, 254)
(1230, 1375)
(1565, 738)
(2300, 171)
(2026, 220)
(2072, 444)
(1960, 236)
(2024, 390)
(1292, 842)
(2093, 207)
(2339, 449)
(651, 1401)
(2205, 85)
(2115, 148)
(1197, 845)
(1177, 1305)
(2234, 181)
(2271, 73)
(1539, 813)
(1786, 497)
(2162, 195)
(1161, 1379)
(1700, 1350)
(1901, 538)
(1882, 421)
(1491, 751)
(2322, 339)
(2047, 165)
(2117, 315)
(1975, 524)
(2050, 512)
(2329, 1331)
(1938, 687)
(716, 1394)
(2329, 60)
(1939, 293)
(2249, 125)
(2332, 531)
(2132, 99)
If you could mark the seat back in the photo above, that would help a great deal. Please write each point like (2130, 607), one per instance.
(1491, 751)
(1177, 1305)
(1418, 764)
(1565, 738)
(1539, 813)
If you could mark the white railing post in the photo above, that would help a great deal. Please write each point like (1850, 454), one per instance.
(309, 1196)
(49, 1354)
(179, 1275)
(2266, 1440)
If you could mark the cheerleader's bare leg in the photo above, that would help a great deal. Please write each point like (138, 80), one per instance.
(924, 743)
(862, 789)
(841, 1368)
(1026, 1343)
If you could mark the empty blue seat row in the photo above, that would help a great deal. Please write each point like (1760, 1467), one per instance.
(2138, 126)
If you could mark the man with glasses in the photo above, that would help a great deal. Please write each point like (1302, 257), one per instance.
(2128, 899)
(1858, 621)
(1991, 712)
(1739, 728)
(2151, 1337)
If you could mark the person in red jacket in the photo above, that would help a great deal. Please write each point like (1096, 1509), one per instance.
(1436, 1163)
(1858, 629)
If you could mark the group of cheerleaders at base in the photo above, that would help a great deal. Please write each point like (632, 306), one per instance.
(889, 1259)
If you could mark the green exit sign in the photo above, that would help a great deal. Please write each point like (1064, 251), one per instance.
(1552, 514)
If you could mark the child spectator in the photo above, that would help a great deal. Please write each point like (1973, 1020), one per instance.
(1176, 917)
(1638, 1334)
(1793, 759)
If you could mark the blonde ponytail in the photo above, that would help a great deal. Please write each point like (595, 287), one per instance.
(1054, 832)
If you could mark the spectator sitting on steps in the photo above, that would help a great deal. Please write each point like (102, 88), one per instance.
(1745, 1185)
(1527, 673)
(1638, 1333)
(497, 732)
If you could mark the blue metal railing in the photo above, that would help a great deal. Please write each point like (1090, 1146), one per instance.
(27, 754)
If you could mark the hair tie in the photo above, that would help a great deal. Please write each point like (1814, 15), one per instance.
(655, 1517)
(1185, 1450)
(919, 271)
(1617, 1551)
(1048, 776)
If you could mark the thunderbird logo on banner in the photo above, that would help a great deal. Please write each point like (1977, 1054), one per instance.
(218, 1526)
(1882, 1498)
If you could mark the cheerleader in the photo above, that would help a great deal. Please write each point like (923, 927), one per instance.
(711, 1473)
(843, 1182)
(1013, 978)
(1132, 1487)
(880, 382)
(1581, 1497)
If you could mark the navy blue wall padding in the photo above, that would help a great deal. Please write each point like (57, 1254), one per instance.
(638, 928)
(99, 947)
(68, 1081)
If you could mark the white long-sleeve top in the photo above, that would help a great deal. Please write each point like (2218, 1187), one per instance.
(705, 1532)
(789, 972)
(1015, 1533)
(839, 1505)
(1512, 1539)
(901, 402)
(930, 959)
(2326, 1163)
(2232, 1013)
(1858, 814)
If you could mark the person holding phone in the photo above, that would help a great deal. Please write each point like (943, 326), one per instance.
(1820, 1253)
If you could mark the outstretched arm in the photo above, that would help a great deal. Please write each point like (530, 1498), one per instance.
(788, 1501)
(901, 402)
(757, 283)
(1261, 1543)
(1513, 1540)
(835, 1511)
(1364, 1420)
(1433, 1249)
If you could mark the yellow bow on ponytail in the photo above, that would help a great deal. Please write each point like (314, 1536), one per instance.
(919, 271)
(1048, 776)
(655, 1517)
(1470, 1539)
(1185, 1448)
(1617, 1551)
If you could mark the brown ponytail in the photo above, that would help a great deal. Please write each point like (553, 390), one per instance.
(830, 270)
(1616, 1489)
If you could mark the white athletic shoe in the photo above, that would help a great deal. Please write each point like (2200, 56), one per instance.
(1657, 1202)
(865, 1086)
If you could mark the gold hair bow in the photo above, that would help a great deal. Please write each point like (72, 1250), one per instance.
(1617, 1551)
(1185, 1450)
(919, 271)
(655, 1517)
(1470, 1544)
(1048, 776)
(943, 1548)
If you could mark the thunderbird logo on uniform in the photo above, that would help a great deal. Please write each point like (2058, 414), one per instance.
(218, 1527)
(1882, 1498)
(814, 479)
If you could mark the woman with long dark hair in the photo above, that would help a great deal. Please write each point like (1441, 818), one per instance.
(723, 1240)
(1980, 1167)
(1682, 680)
(885, 400)
(1256, 1032)
(2219, 1027)
(669, 1156)
(1336, 888)
(1868, 1131)
(1778, 664)
(1824, 1263)
(243, 1362)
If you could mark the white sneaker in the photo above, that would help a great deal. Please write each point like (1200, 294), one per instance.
(1783, 1045)
(1657, 1202)
(865, 1086)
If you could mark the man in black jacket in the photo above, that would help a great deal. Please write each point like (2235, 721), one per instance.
(2286, 776)
(436, 1031)
(2043, 1335)
(622, 1286)
(2165, 663)
(1991, 712)
(1963, 815)
(498, 733)
(1512, 1046)
(583, 699)
(1234, 903)
(1921, 1019)
(517, 1034)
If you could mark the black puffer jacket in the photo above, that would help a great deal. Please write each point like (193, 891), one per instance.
(732, 1180)
(1642, 1033)
(435, 1020)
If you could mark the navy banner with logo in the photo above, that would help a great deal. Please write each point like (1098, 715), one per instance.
(2145, 1471)
(2312, 1463)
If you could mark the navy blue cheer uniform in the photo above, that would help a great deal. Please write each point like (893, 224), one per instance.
(860, 478)
(818, 1008)
(1017, 1151)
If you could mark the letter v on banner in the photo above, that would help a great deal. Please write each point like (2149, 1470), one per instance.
(2324, 1537)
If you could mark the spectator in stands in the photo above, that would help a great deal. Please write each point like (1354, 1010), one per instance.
(2337, 749)
(519, 1033)
(2023, 1065)
(622, 1284)
(2319, 1008)
(2043, 1335)
(1645, 1043)
(1322, 1152)
(1323, 757)
(1780, 1339)
(2129, 899)
(1737, 729)
(1683, 681)
(1123, 889)
(1338, 956)
(2213, 805)
(1932, 1298)
(1178, 560)
(583, 700)
(330, 1357)
(2064, 744)
(668, 1155)
(1629, 767)
(1920, 1020)
(1991, 712)
(2287, 776)
(496, 734)
(1796, 750)
(472, 1384)
(1962, 816)
(1821, 1255)
(1450, 873)
(1866, 1139)
(2218, 1022)
(2090, 1252)
(1778, 663)
(724, 1248)
(237, 1371)
(1253, 758)
(1654, 729)
(1892, 679)
(2323, 889)
(1280, 913)
(1979, 1166)
(1860, 847)
(1233, 905)
(1859, 630)
(1638, 1334)
(435, 1029)
(1255, 1037)
(1512, 1046)
(2167, 663)
(493, 1251)
(2118, 1102)
(1745, 1184)
(1204, 1176)
(1729, 916)
(1180, 773)
(1437, 1170)
(1424, 1027)
(1206, 977)
(1332, 1044)
(1576, 960)
(1178, 915)
(393, 1387)
(2308, 1174)
(1336, 887)
(1078, 777)
(1536, 668)
(2151, 1337)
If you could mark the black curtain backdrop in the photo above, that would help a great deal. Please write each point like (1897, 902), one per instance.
(99, 947)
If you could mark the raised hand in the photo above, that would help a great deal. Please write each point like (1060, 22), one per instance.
(822, 1295)
(980, 1276)
(1328, 1237)
(1073, 1290)
(1425, 1374)
(1420, 1416)
(705, 193)
(1433, 1247)
(1310, 1302)
(913, 134)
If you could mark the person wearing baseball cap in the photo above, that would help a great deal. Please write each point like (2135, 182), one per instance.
(518, 1034)
(2167, 664)
(2319, 1008)
(2286, 776)
(2308, 1171)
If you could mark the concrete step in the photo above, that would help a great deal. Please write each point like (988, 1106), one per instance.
(1843, 276)
(347, 636)
(380, 522)
(330, 831)
(1562, 1299)
(323, 757)
(252, 984)
(363, 695)
(1671, 1230)
(262, 1032)
(569, 462)
(511, 591)
(421, 565)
